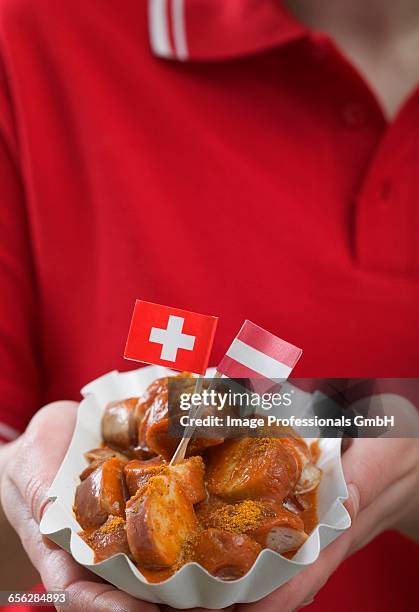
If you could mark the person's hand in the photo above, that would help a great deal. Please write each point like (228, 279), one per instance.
(25, 482)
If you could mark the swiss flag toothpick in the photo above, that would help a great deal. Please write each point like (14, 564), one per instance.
(170, 337)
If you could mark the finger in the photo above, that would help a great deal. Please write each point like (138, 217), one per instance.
(386, 510)
(104, 598)
(373, 464)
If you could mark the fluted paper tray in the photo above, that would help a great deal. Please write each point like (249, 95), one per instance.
(191, 586)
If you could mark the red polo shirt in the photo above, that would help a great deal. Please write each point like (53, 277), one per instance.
(213, 155)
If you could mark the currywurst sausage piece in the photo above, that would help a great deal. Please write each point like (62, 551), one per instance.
(159, 441)
(96, 456)
(310, 474)
(119, 424)
(271, 525)
(138, 473)
(190, 474)
(152, 417)
(110, 539)
(152, 409)
(103, 453)
(225, 555)
(309, 480)
(282, 532)
(100, 494)
(159, 520)
(252, 468)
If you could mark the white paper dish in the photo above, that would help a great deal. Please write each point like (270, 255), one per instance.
(191, 586)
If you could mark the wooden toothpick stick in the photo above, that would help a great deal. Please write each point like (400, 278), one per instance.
(180, 452)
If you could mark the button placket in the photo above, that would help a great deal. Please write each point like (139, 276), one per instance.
(384, 225)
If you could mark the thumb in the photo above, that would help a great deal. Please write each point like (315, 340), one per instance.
(371, 465)
(40, 452)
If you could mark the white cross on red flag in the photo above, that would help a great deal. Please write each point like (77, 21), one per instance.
(171, 337)
(256, 353)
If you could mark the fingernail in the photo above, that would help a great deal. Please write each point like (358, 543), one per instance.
(306, 602)
(353, 501)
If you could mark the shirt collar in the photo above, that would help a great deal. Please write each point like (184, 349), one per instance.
(218, 29)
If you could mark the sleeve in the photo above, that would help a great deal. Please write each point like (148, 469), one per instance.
(19, 356)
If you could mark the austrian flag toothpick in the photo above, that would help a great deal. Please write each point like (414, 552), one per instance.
(170, 337)
(256, 353)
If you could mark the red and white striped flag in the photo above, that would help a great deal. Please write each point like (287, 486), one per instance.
(256, 353)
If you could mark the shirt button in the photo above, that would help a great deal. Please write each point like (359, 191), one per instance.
(354, 114)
